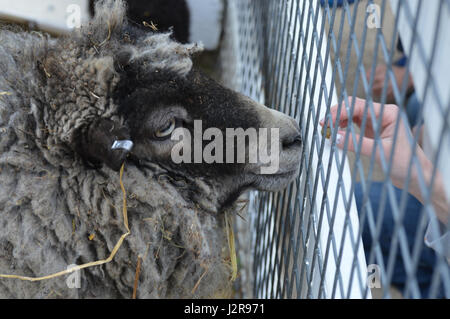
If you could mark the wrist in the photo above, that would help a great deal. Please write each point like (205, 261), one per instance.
(438, 197)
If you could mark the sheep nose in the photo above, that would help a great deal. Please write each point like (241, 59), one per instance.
(292, 141)
(292, 136)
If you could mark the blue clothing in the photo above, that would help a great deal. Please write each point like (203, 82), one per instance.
(339, 2)
(413, 106)
(402, 61)
(413, 211)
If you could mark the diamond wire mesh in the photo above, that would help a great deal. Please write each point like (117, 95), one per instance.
(302, 58)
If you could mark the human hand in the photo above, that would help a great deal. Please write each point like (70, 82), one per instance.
(401, 149)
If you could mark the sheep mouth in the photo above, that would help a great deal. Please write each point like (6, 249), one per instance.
(287, 174)
(278, 181)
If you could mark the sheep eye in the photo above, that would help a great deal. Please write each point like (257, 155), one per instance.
(167, 130)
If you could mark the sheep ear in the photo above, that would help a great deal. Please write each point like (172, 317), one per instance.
(104, 142)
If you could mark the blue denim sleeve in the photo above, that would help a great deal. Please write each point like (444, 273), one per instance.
(339, 2)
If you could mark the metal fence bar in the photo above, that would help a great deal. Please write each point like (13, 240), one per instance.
(367, 208)
(302, 58)
(398, 230)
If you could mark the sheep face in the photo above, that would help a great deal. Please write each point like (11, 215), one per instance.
(158, 102)
(157, 94)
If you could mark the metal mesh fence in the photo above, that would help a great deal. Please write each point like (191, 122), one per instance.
(342, 229)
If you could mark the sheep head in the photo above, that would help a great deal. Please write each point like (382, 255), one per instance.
(141, 87)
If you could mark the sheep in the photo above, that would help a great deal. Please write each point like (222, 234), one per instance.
(64, 102)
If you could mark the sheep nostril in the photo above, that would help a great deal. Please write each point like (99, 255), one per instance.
(292, 141)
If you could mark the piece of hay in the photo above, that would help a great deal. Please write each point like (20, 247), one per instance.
(90, 264)
(152, 26)
(199, 280)
(136, 277)
(231, 246)
(5, 93)
(109, 35)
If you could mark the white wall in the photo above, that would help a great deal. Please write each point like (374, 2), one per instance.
(49, 15)
(206, 22)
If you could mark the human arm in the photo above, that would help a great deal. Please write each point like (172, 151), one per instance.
(402, 151)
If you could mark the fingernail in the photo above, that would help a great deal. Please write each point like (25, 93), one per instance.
(339, 138)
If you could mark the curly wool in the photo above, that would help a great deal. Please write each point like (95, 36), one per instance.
(54, 212)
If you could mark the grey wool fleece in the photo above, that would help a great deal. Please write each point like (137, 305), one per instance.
(54, 212)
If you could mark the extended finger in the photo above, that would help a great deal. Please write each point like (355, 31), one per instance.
(344, 116)
(366, 145)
